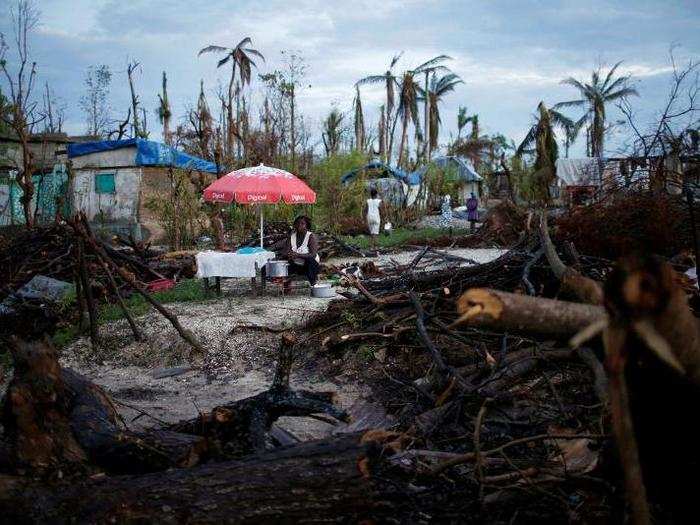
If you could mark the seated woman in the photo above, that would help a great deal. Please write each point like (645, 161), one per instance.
(301, 248)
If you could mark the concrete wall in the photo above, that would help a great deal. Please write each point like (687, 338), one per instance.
(6, 211)
(122, 157)
(47, 188)
(465, 191)
(115, 211)
(10, 154)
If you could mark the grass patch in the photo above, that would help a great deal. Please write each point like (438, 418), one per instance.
(65, 336)
(185, 291)
(404, 236)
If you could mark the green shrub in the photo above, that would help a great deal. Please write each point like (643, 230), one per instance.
(179, 211)
(335, 202)
(188, 290)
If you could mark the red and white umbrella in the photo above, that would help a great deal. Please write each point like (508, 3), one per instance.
(259, 185)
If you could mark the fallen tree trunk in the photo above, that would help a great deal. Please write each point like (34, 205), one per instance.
(312, 482)
(509, 312)
(584, 288)
(56, 420)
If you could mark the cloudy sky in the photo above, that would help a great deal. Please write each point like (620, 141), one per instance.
(510, 54)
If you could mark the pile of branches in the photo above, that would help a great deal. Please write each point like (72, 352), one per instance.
(38, 251)
(497, 396)
(635, 222)
(506, 406)
(50, 251)
(71, 252)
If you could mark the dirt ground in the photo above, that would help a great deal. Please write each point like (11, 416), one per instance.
(239, 363)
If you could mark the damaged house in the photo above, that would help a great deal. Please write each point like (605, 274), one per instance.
(48, 151)
(112, 181)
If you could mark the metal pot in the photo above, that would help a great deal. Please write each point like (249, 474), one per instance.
(322, 291)
(277, 268)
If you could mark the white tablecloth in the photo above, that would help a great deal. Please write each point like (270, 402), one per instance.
(224, 264)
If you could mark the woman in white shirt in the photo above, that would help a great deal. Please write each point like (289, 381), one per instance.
(374, 218)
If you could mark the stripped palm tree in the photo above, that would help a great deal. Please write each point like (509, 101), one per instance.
(240, 59)
(359, 122)
(332, 131)
(594, 97)
(381, 128)
(202, 122)
(462, 120)
(390, 82)
(541, 140)
(409, 92)
(164, 112)
(436, 92)
(427, 68)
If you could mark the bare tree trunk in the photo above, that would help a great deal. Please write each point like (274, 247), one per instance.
(24, 180)
(134, 100)
(427, 119)
(382, 135)
(390, 126)
(404, 136)
(229, 112)
(293, 127)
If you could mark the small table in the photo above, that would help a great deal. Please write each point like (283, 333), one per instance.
(230, 264)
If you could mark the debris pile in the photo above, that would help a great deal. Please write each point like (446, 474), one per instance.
(51, 250)
(638, 222)
(497, 405)
(515, 390)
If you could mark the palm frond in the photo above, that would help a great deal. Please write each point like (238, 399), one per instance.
(571, 81)
(255, 52)
(223, 60)
(394, 60)
(526, 145)
(446, 85)
(624, 92)
(244, 42)
(212, 49)
(570, 104)
(610, 74)
(580, 122)
(432, 63)
(560, 120)
(372, 79)
(619, 83)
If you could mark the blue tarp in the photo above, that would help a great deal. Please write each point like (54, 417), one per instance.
(409, 178)
(464, 169)
(148, 153)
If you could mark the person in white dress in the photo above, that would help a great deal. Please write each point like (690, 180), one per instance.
(373, 215)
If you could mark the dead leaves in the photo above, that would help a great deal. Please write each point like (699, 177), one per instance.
(391, 443)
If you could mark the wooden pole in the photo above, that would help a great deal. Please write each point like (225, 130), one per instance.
(87, 290)
(138, 336)
(84, 230)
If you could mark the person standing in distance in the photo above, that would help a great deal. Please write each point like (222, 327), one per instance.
(472, 212)
(373, 215)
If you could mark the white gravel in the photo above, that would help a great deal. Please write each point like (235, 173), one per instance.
(478, 255)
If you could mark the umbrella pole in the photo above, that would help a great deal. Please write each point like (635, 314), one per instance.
(261, 226)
